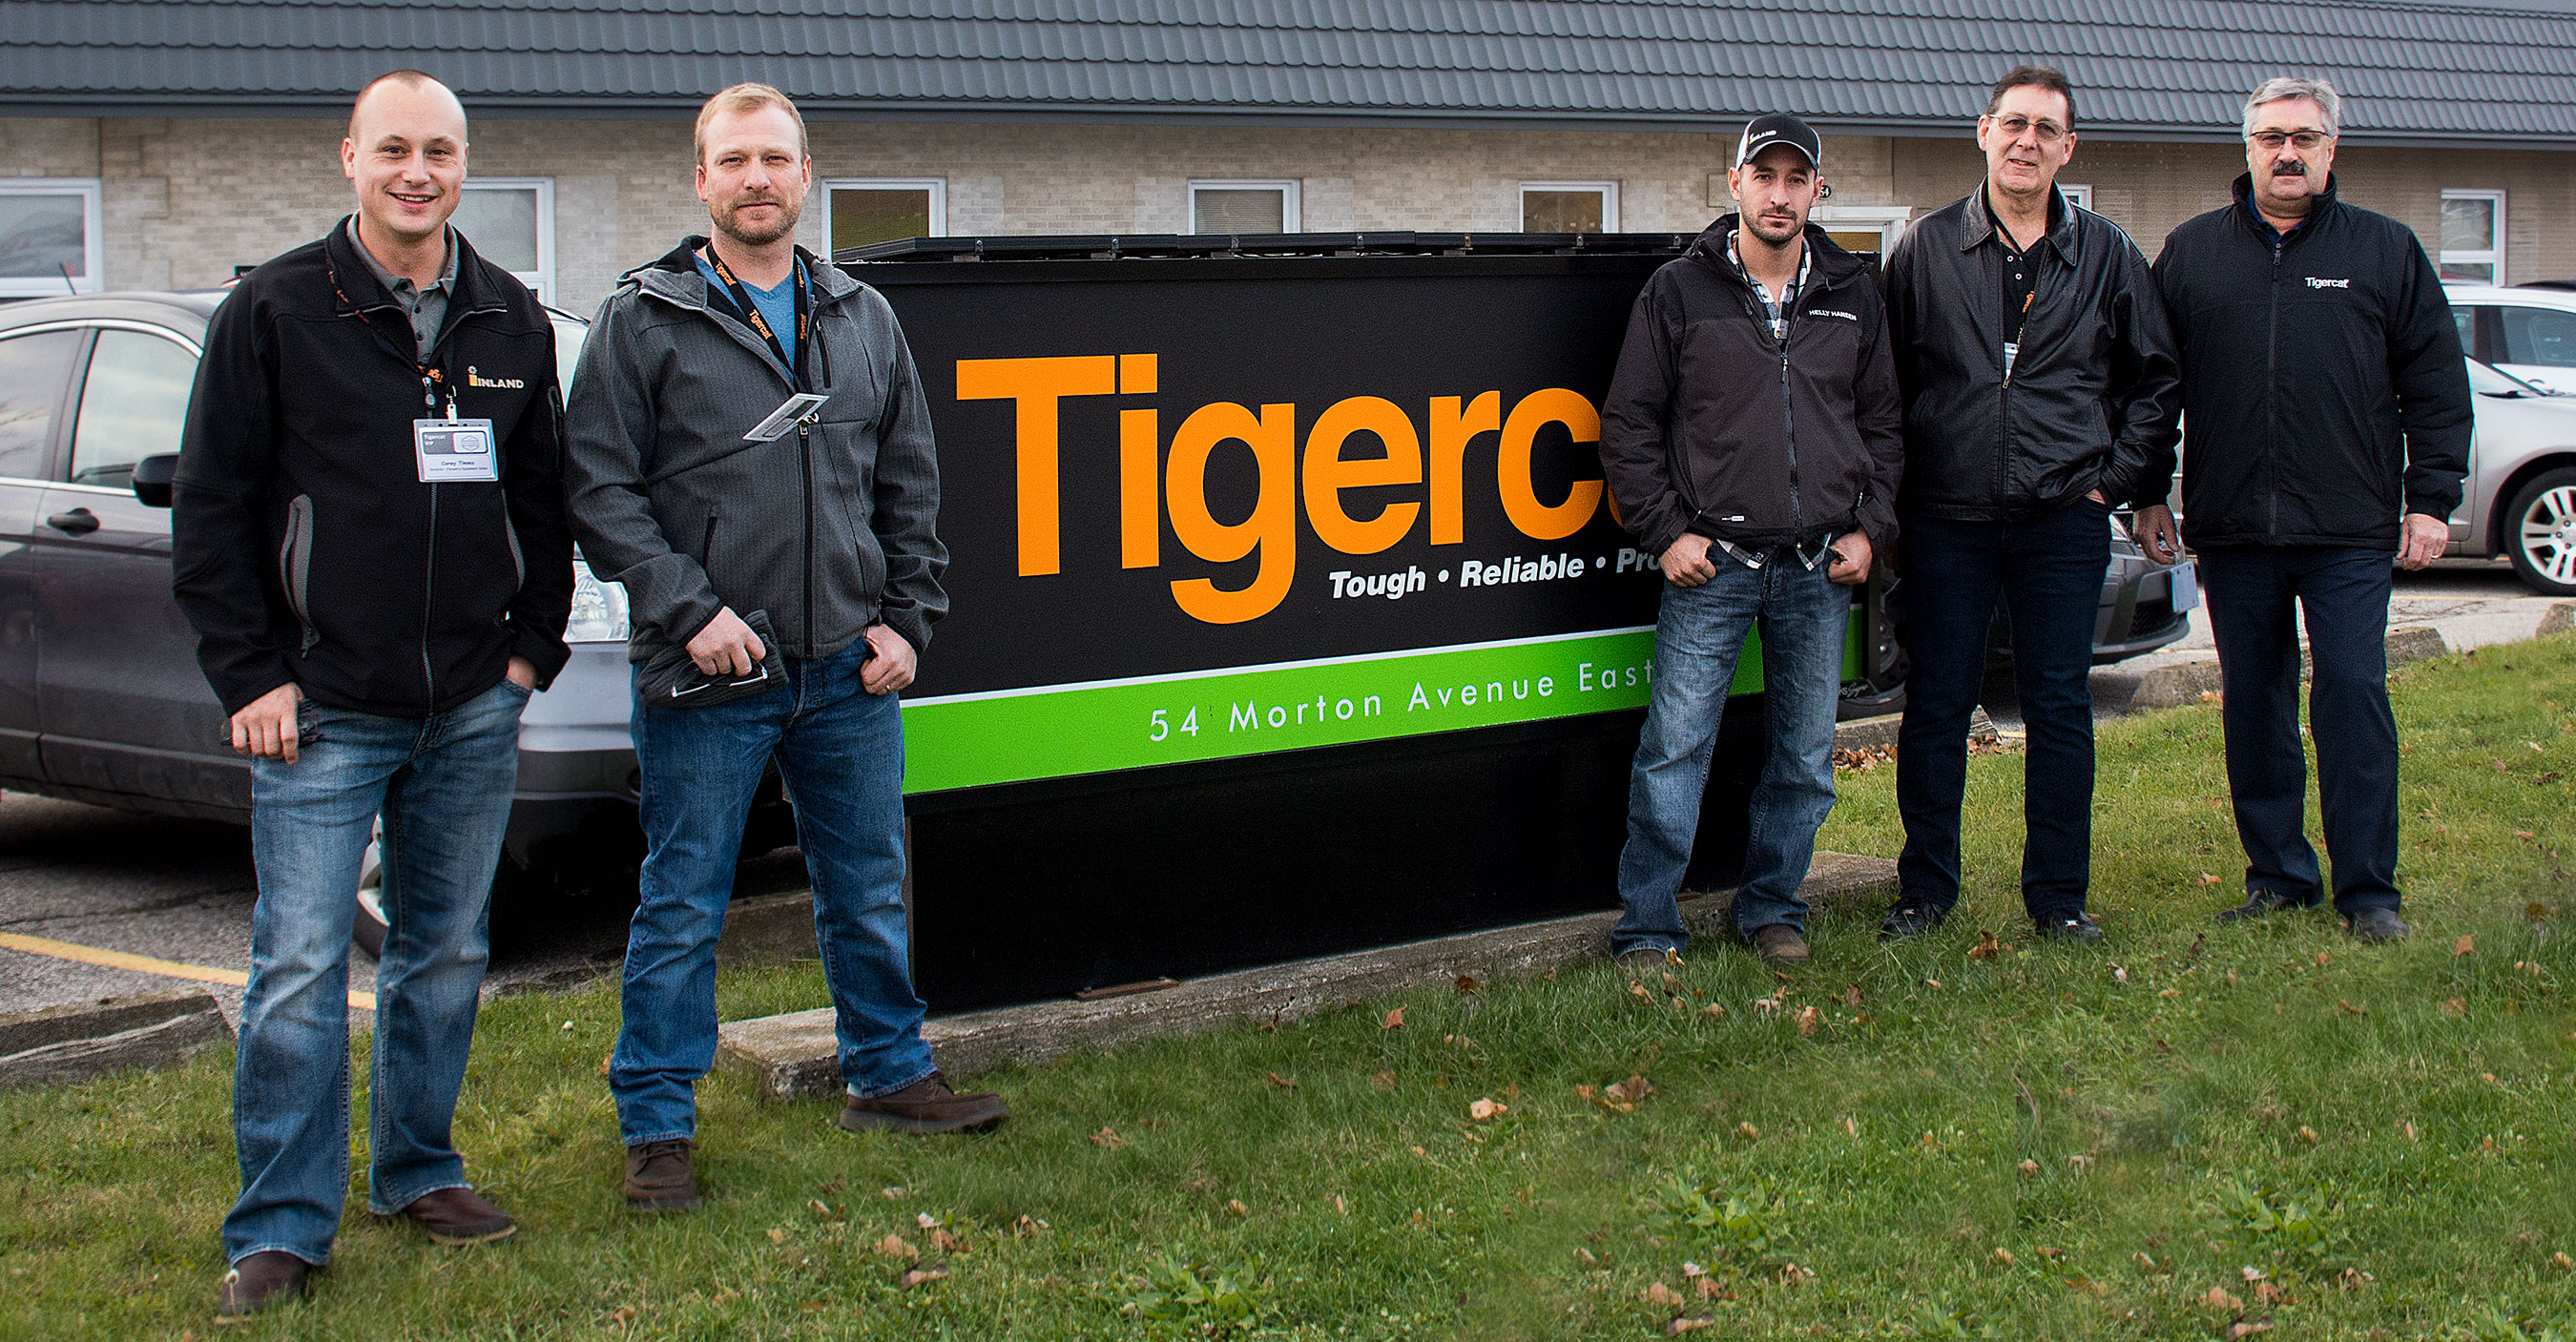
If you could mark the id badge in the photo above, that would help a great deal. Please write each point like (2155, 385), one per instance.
(454, 449)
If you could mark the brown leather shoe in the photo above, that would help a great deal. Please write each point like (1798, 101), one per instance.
(1780, 944)
(661, 1176)
(927, 1105)
(258, 1281)
(457, 1217)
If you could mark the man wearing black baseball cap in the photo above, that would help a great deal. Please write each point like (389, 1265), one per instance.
(2041, 394)
(1750, 438)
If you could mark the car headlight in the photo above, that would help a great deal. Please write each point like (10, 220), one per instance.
(598, 609)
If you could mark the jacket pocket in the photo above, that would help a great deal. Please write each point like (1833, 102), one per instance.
(295, 567)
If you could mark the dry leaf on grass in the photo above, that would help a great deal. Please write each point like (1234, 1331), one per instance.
(895, 1246)
(1807, 1020)
(2028, 1167)
(1394, 1020)
(1851, 996)
(1108, 1137)
(1690, 1324)
(1382, 1080)
(1484, 1109)
(2219, 1299)
(2241, 1328)
(1710, 1288)
(1713, 1010)
(2308, 1134)
(1793, 1275)
(1028, 1227)
(1235, 1205)
(2463, 946)
(2270, 1294)
(921, 1275)
(1751, 1133)
(1660, 1294)
(1281, 1082)
(2455, 1006)
(1468, 983)
(2209, 878)
(946, 1243)
(2005, 1257)
(2349, 1009)
(2353, 1279)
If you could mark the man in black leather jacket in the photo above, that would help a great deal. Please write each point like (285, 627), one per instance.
(2041, 393)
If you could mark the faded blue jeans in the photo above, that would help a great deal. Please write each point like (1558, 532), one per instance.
(443, 784)
(840, 750)
(1698, 634)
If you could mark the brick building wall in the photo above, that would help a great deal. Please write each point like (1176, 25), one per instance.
(185, 200)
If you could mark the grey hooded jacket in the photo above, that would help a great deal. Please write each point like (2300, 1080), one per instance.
(829, 529)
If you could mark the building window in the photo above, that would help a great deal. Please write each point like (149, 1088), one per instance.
(49, 236)
(1866, 231)
(1243, 207)
(511, 222)
(1569, 207)
(860, 211)
(2473, 237)
(2078, 196)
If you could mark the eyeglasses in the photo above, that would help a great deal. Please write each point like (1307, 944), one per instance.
(2270, 141)
(2015, 127)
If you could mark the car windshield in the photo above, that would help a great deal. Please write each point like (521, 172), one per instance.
(2486, 381)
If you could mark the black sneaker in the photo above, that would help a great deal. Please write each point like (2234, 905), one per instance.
(2377, 924)
(2069, 927)
(2263, 904)
(1909, 920)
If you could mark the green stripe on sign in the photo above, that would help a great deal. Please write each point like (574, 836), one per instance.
(978, 740)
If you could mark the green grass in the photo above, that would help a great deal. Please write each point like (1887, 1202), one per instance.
(2052, 1142)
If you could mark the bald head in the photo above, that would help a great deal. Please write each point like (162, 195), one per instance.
(405, 155)
(420, 85)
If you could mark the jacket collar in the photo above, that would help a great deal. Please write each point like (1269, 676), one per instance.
(1979, 223)
(674, 276)
(1829, 265)
(360, 289)
(2243, 190)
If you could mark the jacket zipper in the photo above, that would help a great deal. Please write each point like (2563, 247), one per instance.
(805, 459)
(2272, 396)
(428, 586)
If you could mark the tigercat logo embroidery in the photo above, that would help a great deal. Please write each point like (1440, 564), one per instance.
(475, 379)
(1829, 312)
(2315, 283)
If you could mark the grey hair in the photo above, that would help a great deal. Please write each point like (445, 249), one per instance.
(2283, 89)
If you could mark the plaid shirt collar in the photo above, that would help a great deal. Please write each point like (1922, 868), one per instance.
(1777, 310)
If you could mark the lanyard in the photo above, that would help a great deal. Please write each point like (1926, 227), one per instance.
(740, 299)
(431, 379)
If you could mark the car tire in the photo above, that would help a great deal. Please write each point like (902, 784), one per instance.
(2540, 533)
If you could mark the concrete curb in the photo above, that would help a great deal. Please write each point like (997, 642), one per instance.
(792, 1055)
(75, 1043)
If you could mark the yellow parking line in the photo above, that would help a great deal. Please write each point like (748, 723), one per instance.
(144, 964)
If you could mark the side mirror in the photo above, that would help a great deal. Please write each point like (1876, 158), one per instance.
(152, 477)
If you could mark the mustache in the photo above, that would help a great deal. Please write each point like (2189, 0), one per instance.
(2290, 168)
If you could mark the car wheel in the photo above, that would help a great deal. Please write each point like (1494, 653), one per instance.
(2540, 533)
(368, 930)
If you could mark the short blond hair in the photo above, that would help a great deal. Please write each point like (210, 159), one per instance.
(746, 98)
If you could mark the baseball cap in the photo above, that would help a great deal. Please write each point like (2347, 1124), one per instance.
(1779, 128)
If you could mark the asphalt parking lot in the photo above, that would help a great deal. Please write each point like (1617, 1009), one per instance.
(104, 885)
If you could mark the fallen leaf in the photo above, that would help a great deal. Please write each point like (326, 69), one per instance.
(946, 1243)
(1468, 983)
(777, 1236)
(2145, 1264)
(2349, 1009)
(1235, 1205)
(2051, 1252)
(1932, 983)
(2408, 1129)
(1807, 1018)
(2209, 878)
(2251, 1273)
(2564, 1262)
(2307, 1134)
(1751, 1133)
(1422, 1153)
(894, 1246)
(1849, 1126)
(2519, 834)
(2170, 992)
(925, 1220)
(891, 1194)
(2028, 1167)
(1282, 1082)
(2535, 910)
(921, 1275)
(1636, 989)
(1028, 1227)
(2455, 1006)
(603, 1061)
(2322, 957)
(1691, 1269)
(2219, 1299)
(1709, 1289)
(1987, 947)
(2270, 1294)
(1713, 1010)
(2004, 1256)
(1108, 1137)
(1382, 1080)
(1851, 996)
(1586, 1256)
(622, 1314)
(2240, 1329)
(1680, 1326)
(1394, 1020)
(2353, 1279)
(2463, 946)
(1482, 1110)
(1660, 1294)
(1793, 1275)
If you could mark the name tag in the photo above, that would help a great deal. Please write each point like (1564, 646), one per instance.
(454, 449)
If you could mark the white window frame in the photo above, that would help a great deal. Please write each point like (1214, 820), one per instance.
(540, 281)
(2492, 257)
(1889, 220)
(936, 186)
(1291, 217)
(2079, 196)
(1608, 191)
(93, 237)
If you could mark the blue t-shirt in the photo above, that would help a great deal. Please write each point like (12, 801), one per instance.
(777, 306)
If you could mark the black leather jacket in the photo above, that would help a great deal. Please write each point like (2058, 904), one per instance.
(2095, 396)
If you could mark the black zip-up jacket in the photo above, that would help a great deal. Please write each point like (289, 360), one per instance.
(2094, 395)
(1713, 426)
(304, 545)
(2324, 389)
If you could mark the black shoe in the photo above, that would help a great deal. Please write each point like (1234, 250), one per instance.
(1643, 960)
(661, 1176)
(926, 1106)
(2262, 904)
(2377, 924)
(2069, 927)
(260, 1281)
(1909, 920)
(1780, 944)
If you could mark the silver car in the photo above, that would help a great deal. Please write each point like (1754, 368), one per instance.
(2521, 499)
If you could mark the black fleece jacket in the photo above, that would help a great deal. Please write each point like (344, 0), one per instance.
(305, 547)
(2324, 394)
(1713, 426)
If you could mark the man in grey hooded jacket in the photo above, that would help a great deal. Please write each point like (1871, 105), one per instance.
(819, 527)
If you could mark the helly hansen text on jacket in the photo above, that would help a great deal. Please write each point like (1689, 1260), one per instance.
(1714, 426)
(2094, 395)
(304, 545)
(2324, 392)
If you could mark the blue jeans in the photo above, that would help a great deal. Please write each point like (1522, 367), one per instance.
(2344, 595)
(840, 750)
(443, 785)
(1698, 633)
(2049, 572)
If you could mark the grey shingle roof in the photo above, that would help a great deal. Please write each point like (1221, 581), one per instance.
(2411, 69)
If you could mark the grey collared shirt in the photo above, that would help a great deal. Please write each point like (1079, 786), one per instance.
(427, 307)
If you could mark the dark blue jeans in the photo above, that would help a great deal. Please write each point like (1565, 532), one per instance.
(840, 750)
(2343, 594)
(443, 785)
(1698, 634)
(2049, 572)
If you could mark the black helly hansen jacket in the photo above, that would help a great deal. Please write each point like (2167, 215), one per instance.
(2323, 387)
(305, 547)
(2093, 397)
(1712, 426)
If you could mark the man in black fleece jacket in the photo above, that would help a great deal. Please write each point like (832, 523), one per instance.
(2328, 417)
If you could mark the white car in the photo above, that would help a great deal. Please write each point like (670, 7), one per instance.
(2521, 495)
(2528, 331)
